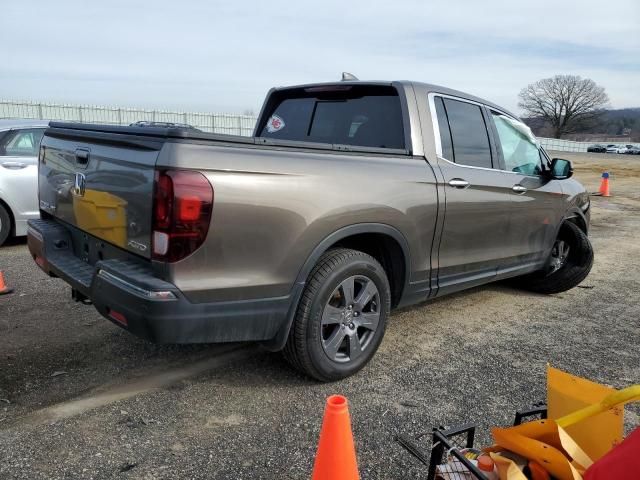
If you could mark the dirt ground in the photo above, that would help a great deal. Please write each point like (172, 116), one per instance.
(80, 398)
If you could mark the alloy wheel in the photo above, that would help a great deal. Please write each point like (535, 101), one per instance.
(559, 255)
(350, 319)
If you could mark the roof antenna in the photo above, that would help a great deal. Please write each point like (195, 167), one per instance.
(346, 77)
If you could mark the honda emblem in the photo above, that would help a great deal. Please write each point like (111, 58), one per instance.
(79, 185)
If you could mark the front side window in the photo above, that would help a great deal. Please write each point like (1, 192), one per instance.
(469, 136)
(21, 143)
(362, 116)
(519, 147)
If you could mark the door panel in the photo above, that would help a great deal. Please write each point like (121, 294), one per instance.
(535, 213)
(475, 234)
(477, 197)
(19, 173)
(20, 188)
(534, 220)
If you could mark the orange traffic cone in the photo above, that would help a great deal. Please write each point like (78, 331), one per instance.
(3, 288)
(604, 185)
(336, 456)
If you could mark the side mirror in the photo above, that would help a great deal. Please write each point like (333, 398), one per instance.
(561, 169)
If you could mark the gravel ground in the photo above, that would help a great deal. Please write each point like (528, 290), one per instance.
(80, 398)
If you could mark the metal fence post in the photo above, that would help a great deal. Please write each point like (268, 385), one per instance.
(80, 113)
(40, 112)
(119, 116)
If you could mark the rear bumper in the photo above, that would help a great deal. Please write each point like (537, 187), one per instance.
(21, 225)
(128, 294)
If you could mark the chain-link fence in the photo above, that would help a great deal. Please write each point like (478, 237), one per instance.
(208, 122)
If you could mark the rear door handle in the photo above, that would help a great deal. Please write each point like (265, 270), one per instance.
(14, 165)
(519, 189)
(458, 183)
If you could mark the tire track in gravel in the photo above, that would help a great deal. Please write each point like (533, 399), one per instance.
(155, 380)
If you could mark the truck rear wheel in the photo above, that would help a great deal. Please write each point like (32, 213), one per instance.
(341, 317)
(570, 263)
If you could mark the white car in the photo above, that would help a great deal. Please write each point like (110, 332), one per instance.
(616, 149)
(19, 145)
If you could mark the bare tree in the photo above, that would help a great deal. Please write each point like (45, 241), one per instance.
(566, 102)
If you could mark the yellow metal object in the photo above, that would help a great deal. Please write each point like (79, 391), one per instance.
(585, 422)
(583, 407)
(549, 455)
(507, 469)
(103, 215)
(617, 399)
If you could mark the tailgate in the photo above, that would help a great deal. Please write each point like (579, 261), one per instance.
(101, 182)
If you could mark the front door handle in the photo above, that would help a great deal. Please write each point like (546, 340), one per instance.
(458, 183)
(519, 189)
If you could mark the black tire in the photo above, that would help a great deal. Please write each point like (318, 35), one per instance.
(5, 224)
(574, 270)
(309, 347)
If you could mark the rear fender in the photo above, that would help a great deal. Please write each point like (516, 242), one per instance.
(279, 341)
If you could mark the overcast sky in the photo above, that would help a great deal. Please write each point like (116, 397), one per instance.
(224, 56)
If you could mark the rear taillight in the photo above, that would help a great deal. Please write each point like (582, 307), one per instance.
(118, 317)
(182, 205)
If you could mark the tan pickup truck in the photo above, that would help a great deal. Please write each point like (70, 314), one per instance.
(350, 199)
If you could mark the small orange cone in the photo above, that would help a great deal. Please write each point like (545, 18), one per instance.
(336, 456)
(604, 185)
(3, 287)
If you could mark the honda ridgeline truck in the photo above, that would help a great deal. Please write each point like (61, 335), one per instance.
(351, 198)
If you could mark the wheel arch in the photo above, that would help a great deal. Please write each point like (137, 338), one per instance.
(383, 242)
(577, 217)
(354, 236)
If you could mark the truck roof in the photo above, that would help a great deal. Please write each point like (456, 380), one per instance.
(428, 87)
(457, 93)
(6, 124)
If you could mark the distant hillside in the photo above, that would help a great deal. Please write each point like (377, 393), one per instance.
(622, 124)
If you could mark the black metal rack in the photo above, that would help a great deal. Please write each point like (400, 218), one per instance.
(450, 441)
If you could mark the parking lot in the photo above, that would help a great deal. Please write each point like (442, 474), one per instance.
(80, 398)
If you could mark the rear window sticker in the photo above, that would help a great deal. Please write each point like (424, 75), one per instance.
(274, 124)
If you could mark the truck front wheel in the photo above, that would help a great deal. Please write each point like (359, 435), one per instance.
(342, 316)
(569, 264)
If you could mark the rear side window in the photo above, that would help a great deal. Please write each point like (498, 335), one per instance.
(445, 133)
(469, 136)
(363, 116)
(21, 143)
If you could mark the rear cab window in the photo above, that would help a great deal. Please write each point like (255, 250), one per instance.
(367, 116)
